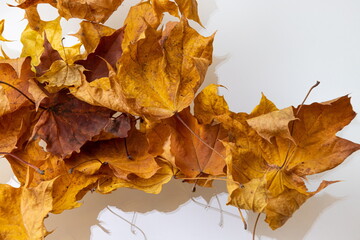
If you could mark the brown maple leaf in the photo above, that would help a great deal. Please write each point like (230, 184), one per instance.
(197, 153)
(67, 123)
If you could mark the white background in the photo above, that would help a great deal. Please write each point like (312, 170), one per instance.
(279, 47)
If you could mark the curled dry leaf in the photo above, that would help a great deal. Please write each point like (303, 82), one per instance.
(149, 185)
(117, 157)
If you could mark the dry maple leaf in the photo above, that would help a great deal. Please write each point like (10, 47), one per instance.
(23, 211)
(159, 80)
(275, 151)
(67, 123)
(158, 75)
(68, 188)
(193, 157)
(118, 157)
(149, 185)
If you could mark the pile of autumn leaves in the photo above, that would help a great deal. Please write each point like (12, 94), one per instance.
(117, 115)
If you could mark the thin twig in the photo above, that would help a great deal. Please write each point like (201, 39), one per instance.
(71, 170)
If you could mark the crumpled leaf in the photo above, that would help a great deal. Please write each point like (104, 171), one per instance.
(308, 146)
(62, 75)
(111, 157)
(2, 30)
(191, 156)
(23, 211)
(149, 185)
(68, 123)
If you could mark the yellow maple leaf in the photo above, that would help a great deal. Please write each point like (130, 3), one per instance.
(275, 151)
(22, 218)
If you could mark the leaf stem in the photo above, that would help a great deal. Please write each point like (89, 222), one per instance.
(255, 225)
(243, 219)
(127, 151)
(71, 170)
(42, 172)
(293, 123)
